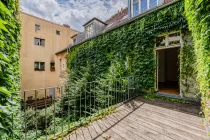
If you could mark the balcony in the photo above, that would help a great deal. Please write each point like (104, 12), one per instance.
(106, 109)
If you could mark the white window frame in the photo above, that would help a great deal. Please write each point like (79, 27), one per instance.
(148, 6)
(167, 41)
(138, 1)
(88, 30)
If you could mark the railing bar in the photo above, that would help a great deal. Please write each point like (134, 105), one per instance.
(45, 114)
(12, 118)
(61, 92)
(108, 93)
(80, 105)
(90, 101)
(94, 87)
(116, 92)
(54, 113)
(75, 106)
(128, 87)
(68, 108)
(25, 116)
(36, 112)
(85, 101)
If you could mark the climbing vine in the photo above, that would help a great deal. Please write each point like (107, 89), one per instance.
(198, 16)
(9, 63)
(131, 46)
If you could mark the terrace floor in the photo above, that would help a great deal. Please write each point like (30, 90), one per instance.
(142, 119)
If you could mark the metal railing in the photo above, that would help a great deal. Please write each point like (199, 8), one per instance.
(50, 112)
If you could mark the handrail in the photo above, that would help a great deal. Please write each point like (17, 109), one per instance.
(72, 105)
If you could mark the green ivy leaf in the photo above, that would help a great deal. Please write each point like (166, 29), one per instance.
(2, 25)
(3, 57)
(4, 90)
(4, 9)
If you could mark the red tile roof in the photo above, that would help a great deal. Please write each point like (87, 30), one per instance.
(118, 18)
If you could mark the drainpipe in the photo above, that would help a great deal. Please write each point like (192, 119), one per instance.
(129, 9)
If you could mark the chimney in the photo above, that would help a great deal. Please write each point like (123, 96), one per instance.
(66, 25)
(121, 10)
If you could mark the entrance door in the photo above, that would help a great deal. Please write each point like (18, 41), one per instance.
(168, 71)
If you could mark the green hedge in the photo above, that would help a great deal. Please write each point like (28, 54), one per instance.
(9, 62)
(129, 48)
(198, 16)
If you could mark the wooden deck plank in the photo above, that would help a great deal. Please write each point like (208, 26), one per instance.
(153, 127)
(142, 130)
(142, 120)
(193, 134)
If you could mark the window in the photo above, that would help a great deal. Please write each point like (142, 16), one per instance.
(135, 7)
(74, 41)
(169, 40)
(161, 41)
(89, 30)
(140, 6)
(39, 42)
(143, 5)
(153, 3)
(39, 66)
(37, 27)
(174, 39)
(58, 32)
(52, 66)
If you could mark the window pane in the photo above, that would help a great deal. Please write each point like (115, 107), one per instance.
(42, 66)
(36, 41)
(153, 3)
(135, 1)
(37, 27)
(52, 66)
(136, 9)
(161, 41)
(143, 5)
(174, 39)
(36, 65)
(42, 42)
(58, 32)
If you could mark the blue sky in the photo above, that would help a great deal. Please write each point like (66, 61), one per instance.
(72, 12)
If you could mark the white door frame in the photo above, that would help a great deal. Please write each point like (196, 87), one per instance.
(180, 65)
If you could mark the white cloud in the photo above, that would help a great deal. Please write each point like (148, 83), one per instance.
(72, 12)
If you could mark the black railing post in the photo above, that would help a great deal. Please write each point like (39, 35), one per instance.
(45, 94)
(36, 112)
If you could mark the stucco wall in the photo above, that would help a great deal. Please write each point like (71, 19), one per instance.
(31, 53)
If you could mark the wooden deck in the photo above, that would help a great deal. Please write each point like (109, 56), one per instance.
(142, 119)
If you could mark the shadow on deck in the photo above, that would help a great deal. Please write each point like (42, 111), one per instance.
(142, 119)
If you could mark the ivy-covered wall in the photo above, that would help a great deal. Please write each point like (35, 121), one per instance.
(188, 75)
(198, 16)
(129, 50)
(9, 62)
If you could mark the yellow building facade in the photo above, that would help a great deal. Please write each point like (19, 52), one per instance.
(40, 41)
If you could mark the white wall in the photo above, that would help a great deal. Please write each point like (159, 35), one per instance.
(161, 66)
(172, 65)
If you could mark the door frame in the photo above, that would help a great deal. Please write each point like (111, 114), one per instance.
(180, 62)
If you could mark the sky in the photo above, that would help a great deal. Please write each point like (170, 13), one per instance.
(72, 12)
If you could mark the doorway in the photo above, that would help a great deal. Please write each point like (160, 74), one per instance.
(168, 71)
